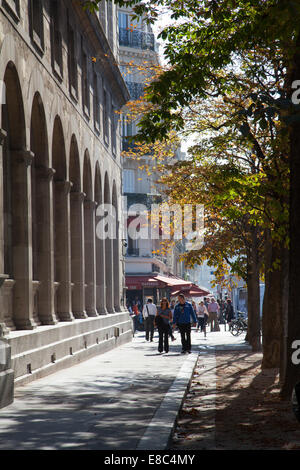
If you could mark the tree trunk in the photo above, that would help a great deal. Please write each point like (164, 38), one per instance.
(253, 287)
(292, 370)
(272, 320)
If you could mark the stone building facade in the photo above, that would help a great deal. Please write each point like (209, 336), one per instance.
(61, 294)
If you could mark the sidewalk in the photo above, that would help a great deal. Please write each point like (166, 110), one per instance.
(125, 399)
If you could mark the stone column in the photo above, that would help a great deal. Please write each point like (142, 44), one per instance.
(100, 276)
(2, 138)
(22, 239)
(46, 307)
(2, 275)
(77, 254)
(109, 275)
(90, 257)
(117, 277)
(63, 250)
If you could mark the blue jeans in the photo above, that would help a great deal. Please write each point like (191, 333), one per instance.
(185, 333)
(149, 327)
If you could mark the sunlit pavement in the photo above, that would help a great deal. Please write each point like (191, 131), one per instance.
(127, 398)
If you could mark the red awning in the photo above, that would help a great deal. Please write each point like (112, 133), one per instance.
(138, 282)
(156, 280)
(172, 281)
(192, 291)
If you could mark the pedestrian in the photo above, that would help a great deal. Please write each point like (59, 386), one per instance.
(213, 310)
(229, 312)
(202, 317)
(172, 307)
(149, 312)
(162, 322)
(184, 317)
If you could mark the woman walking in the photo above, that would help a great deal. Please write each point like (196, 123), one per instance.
(202, 316)
(162, 322)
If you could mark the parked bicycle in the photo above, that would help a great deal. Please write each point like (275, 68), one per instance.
(239, 325)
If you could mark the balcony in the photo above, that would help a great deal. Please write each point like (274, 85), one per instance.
(136, 39)
(135, 89)
(126, 145)
(133, 252)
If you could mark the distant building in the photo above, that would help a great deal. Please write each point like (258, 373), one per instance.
(138, 52)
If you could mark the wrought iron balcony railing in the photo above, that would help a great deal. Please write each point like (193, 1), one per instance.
(136, 90)
(133, 252)
(136, 39)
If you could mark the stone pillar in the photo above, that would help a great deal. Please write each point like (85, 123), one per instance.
(109, 275)
(117, 277)
(22, 239)
(2, 275)
(2, 138)
(100, 276)
(90, 257)
(63, 250)
(44, 195)
(77, 254)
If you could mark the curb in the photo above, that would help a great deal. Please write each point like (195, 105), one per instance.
(159, 432)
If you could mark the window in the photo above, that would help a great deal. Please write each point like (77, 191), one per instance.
(13, 8)
(114, 127)
(105, 116)
(73, 84)
(96, 105)
(85, 84)
(36, 23)
(56, 40)
(128, 181)
(103, 15)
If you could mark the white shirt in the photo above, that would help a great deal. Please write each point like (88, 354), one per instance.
(151, 309)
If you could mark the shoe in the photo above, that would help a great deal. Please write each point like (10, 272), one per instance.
(183, 352)
(189, 352)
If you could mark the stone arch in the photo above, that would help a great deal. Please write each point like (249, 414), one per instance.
(100, 256)
(89, 238)
(16, 194)
(42, 230)
(61, 218)
(59, 151)
(108, 255)
(116, 252)
(77, 232)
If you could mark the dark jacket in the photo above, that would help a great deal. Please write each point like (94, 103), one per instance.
(184, 314)
(229, 312)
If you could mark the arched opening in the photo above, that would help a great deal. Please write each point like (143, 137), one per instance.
(89, 239)
(108, 256)
(116, 253)
(77, 234)
(17, 230)
(42, 235)
(100, 265)
(61, 218)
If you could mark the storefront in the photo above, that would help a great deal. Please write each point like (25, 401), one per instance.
(141, 287)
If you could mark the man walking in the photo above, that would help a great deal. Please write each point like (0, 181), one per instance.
(213, 310)
(184, 317)
(149, 312)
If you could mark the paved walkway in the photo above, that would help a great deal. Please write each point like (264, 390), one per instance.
(125, 399)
